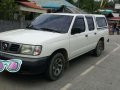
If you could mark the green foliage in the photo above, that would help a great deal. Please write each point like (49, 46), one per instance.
(110, 5)
(71, 1)
(116, 1)
(7, 9)
(92, 5)
(87, 5)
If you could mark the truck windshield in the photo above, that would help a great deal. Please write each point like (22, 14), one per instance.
(52, 23)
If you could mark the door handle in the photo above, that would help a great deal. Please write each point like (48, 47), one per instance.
(95, 33)
(86, 35)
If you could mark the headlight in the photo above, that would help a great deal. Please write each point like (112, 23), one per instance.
(31, 50)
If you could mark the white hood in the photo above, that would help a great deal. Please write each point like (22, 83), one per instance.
(28, 36)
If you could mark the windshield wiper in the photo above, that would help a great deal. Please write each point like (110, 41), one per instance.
(51, 30)
(31, 27)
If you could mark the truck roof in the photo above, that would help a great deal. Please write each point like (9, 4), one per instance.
(70, 14)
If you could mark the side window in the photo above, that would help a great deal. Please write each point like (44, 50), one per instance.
(90, 22)
(101, 22)
(78, 26)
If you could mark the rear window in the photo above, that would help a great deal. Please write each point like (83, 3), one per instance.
(101, 22)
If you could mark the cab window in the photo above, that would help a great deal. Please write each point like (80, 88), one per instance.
(78, 26)
(90, 22)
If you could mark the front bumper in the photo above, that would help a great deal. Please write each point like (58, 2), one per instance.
(29, 65)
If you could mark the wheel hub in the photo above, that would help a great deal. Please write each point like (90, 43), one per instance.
(57, 67)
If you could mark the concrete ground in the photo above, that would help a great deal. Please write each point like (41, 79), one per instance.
(85, 73)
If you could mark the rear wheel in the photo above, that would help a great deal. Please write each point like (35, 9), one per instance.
(56, 66)
(99, 48)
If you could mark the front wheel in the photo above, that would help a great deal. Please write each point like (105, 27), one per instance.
(56, 67)
(99, 48)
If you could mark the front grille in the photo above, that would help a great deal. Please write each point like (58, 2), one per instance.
(14, 48)
(9, 47)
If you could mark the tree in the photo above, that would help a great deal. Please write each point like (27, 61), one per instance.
(116, 1)
(7, 9)
(109, 5)
(71, 1)
(89, 5)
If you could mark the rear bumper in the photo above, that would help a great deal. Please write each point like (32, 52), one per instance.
(29, 65)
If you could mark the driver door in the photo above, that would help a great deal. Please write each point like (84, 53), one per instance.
(78, 38)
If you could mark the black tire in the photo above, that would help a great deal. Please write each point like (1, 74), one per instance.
(56, 67)
(99, 48)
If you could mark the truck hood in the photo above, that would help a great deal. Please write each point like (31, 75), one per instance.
(25, 36)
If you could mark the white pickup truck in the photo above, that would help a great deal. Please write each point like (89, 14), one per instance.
(51, 40)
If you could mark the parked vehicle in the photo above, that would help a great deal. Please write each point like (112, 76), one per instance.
(52, 40)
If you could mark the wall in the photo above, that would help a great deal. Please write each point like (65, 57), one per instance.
(10, 25)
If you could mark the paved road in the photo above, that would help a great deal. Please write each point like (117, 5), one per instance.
(85, 73)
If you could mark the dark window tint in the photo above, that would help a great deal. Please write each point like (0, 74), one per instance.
(90, 23)
(79, 25)
(101, 22)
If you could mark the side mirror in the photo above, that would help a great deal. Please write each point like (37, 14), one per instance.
(75, 31)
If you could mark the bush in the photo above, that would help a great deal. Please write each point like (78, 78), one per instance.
(7, 9)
